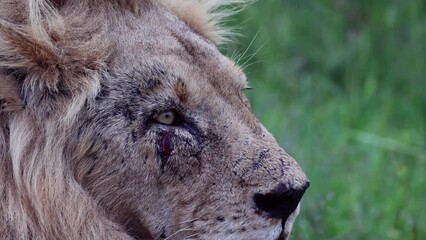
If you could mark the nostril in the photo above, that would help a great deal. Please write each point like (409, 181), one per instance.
(280, 202)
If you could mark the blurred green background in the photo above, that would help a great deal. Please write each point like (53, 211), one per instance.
(342, 86)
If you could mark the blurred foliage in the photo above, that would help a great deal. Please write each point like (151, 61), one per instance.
(342, 85)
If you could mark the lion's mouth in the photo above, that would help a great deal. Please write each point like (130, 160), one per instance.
(287, 224)
(283, 235)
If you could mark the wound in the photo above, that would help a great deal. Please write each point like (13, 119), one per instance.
(166, 144)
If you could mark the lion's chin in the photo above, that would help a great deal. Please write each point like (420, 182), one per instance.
(287, 224)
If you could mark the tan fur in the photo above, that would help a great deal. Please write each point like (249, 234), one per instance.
(81, 154)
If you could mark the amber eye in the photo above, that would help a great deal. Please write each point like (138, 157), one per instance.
(167, 118)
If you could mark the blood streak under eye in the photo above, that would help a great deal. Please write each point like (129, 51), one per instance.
(166, 144)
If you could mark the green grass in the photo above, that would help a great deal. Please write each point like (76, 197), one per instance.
(342, 86)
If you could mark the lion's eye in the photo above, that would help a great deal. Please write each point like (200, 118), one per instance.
(167, 118)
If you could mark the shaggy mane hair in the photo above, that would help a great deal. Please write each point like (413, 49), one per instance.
(51, 56)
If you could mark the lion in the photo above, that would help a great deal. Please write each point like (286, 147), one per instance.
(121, 119)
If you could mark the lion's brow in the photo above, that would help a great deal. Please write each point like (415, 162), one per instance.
(151, 78)
(185, 44)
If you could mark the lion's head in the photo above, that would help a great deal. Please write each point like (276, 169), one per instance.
(122, 120)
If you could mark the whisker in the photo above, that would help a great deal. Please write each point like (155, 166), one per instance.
(250, 64)
(187, 229)
(252, 55)
(248, 47)
(190, 236)
(179, 231)
(235, 54)
(187, 221)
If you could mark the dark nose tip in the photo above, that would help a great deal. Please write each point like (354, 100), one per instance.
(280, 202)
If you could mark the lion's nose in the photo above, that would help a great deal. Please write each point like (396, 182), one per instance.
(280, 202)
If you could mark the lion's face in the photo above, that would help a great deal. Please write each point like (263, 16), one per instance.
(172, 148)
